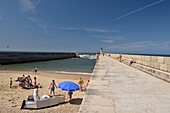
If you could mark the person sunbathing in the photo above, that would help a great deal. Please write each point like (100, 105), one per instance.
(132, 61)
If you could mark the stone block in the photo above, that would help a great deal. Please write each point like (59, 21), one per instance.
(147, 58)
(152, 64)
(149, 64)
(154, 59)
(139, 61)
(143, 57)
(140, 57)
(161, 60)
(127, 56)
(113, 56)
(168, 68)
(167, 60)
(163, 67)
(137, 57)
(157, 66)
(133, 56)
(145, 63)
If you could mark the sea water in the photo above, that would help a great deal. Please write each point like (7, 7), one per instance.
(84, 64)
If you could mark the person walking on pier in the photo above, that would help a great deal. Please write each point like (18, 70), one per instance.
(120, 57)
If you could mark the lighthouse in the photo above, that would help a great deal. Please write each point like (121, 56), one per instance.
(101, 50)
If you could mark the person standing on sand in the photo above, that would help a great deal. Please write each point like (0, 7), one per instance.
(10, 82)
(35, 70)
(85, 88)
(81, 82)
(30, 81)
(70, 93)
(52, 87)
(35, 94)
(35, 81)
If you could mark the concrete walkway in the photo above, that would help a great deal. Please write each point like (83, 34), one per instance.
(119, 88)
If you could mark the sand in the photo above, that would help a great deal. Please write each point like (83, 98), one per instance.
(11, 98)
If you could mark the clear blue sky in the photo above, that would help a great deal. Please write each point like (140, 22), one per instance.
(133, 26)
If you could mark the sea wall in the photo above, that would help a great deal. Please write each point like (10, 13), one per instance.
(155, 65)
(20, 57)
(157, 62)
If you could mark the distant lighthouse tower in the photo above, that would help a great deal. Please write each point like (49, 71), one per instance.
(101, 50)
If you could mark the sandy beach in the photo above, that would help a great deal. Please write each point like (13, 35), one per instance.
(11, 98)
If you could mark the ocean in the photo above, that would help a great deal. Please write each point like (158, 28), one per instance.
(84, 64)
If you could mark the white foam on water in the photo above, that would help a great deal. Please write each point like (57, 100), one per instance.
(88, 56)
(75, 73)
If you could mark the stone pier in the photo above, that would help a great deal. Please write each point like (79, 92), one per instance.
(22, 57)
(118, 88)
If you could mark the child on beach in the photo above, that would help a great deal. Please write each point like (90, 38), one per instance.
(52, 87)
(85, 88)
(35, 70)
(10, 82)
(87, 83)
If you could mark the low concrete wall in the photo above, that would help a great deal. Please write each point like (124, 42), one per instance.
(19, 57)
(157, 62)
(158, 66)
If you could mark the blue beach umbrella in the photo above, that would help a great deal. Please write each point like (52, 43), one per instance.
(68, 86)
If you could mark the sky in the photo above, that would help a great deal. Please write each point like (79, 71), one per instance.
(121, 26)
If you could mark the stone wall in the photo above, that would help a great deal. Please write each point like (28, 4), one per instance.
(156, 62)
(19, 57)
